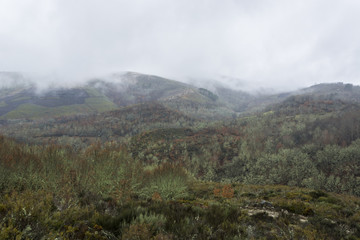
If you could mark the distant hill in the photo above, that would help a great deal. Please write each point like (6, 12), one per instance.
(320, 97)
(19, 101)
(116, 125)
(132, 88)
(325, 97)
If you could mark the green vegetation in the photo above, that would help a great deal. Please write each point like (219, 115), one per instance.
(37, 111)
(300, 150)
(101, 193)
(92, 104)
(208, 94)
(82, 130)
(82, 164)
(18, 99)
(99, 104)
(315, 150)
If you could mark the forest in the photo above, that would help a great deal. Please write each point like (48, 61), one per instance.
(154, 170)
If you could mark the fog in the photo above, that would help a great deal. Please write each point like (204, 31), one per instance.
(280, 45)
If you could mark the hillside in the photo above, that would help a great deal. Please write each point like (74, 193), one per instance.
(100, 95)
(133, 88)
(22, 103)
(243, 102)
(82, 130)
(231, 150)
(134, 156)
(21, 99)
(319, 98)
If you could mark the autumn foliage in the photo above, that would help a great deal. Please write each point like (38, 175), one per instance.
(225, 192)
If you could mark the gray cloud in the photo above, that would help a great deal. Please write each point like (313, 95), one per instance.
(271, 44)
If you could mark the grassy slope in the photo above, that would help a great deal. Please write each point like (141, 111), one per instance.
(94, 103)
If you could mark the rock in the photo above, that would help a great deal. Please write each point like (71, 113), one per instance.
(266, 204)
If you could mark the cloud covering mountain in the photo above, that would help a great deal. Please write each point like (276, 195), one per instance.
(273, 44)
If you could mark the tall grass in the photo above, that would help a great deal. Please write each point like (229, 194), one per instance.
(166, 182)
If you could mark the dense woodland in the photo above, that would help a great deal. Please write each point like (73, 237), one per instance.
(153, 170)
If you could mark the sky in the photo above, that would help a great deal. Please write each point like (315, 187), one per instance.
(265, 44)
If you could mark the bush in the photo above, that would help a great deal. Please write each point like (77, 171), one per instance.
(156, 222)
(297, 207)
(226, 191)
(168, 180)
(137, 232)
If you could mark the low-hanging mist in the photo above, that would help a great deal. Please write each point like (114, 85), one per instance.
(273, 45)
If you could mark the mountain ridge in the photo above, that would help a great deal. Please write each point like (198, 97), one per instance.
(23, 100)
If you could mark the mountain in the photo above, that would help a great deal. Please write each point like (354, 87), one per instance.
(20, 99)
(100, 95)
(131, 88)
(326, 97)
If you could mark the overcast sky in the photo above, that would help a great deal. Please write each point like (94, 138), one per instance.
(280, 44)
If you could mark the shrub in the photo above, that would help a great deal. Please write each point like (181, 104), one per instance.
(297, 207)
(156, 222)
(137, 232)
(317, 194)
(226, 191)
(168, 180)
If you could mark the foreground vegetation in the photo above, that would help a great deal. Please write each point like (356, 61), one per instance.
(50, 192)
